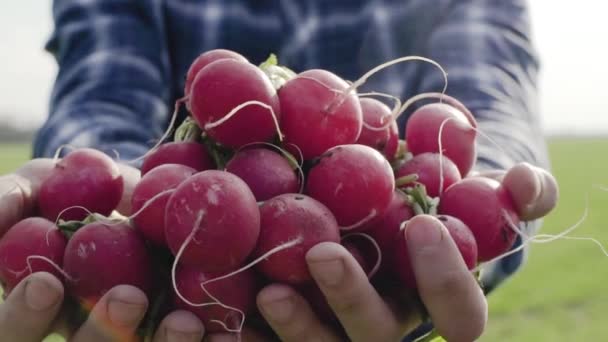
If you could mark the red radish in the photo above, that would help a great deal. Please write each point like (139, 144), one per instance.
(237, 291)
(365, 250)
(206, 58)
(463, 237)
(376, 115)
(33, 236)
(190, 154)
(267, 173)
(384, 228)
(221, 87)
(486, 207)
(457, 136)
(101, 255)
(85, 177)
(315, 114)
(354, 181)
(287, 218)
(151, 220)
(427, 167)
(228, 216)
(459, 232)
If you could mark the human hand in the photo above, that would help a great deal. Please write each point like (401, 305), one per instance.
(454, 301)
(19, 190)
(32, 311)
(449, 291)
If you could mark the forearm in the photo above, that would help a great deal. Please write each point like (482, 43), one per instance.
(112, 89)
(492, 67)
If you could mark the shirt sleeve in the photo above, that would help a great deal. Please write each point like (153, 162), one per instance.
(492, 64)
(113, 85)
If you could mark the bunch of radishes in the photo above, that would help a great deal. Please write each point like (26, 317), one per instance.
(269, 164)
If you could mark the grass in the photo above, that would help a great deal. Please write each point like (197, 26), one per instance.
(559, 293)
(13, 155)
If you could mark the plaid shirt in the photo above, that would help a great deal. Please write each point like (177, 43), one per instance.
(122, 64)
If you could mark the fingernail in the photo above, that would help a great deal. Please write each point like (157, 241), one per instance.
(421, 235)
(329, 273)
(126, 311)
(279, 307)
(40, 294)
(181, 336)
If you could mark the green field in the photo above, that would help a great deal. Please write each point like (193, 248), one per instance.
(559, 294)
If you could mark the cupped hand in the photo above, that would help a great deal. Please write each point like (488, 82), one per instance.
(449, 291)
(32, 311)
(454, 301)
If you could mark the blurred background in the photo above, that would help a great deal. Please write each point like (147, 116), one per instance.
(560, 295)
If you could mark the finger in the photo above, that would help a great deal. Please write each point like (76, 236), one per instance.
(247, 335)
(180, 326)
(18, 191)
(363, 313)
(31, 307)
(449, 291)
(533, 190)
(130, 178)
(548, 197)
(13, 190)
(36, 172)
(524, 185)
(290, 316)
(115, 317)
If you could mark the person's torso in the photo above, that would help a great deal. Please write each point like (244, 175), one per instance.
(347, 37)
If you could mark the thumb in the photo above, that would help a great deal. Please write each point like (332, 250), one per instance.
(14, 200)
(449, 291)
(18, 191)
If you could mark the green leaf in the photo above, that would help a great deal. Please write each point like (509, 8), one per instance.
(431, 336)
(271, 61)
(278, 74)
(188, 131)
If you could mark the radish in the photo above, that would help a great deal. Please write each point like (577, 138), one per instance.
(459, 232)
(292, 217)
(35, 239)
(463, 237)
(101, 255)
(222, 86)
(486, 207)
(267, 173)
(365, 250)
(354, 181)
(151, 219)
(384, 228)
(205, 59)
(383, 138)
(228, 221)
(236, 292)
(315, 116)
(190, 154)
(435, 171)
(85, 178)
(457, 135)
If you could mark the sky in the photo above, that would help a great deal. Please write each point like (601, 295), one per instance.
(571, 41)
